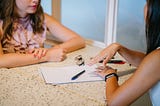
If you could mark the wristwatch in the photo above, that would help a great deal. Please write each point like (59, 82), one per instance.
(111, 75)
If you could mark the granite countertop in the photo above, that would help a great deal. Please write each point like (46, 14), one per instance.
(24, 86)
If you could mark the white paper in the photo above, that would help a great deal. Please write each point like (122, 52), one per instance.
(63, 75)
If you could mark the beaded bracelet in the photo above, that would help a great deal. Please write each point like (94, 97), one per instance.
(111, 75)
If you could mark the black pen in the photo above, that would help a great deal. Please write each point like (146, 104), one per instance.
(77, 75)
(116, 61)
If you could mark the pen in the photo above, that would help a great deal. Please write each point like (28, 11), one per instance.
(77, 75)
(116, 61)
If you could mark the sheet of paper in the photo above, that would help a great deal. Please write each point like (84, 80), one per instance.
(63, 75)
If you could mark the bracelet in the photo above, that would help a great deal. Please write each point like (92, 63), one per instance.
(111, 75)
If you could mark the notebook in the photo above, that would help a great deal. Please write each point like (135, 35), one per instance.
(63, 75)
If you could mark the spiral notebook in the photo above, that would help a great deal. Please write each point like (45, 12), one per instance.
(64, 75)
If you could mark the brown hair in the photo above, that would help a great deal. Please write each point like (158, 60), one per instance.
(7, 14)
(153, 25)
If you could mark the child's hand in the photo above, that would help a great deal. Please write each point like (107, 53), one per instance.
(38, 52)
(56, 54)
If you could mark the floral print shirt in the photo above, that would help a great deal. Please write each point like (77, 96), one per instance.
(23, 38)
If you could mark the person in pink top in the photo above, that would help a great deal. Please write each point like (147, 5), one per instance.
(23, 27)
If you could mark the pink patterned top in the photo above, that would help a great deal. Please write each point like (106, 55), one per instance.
(23, 38)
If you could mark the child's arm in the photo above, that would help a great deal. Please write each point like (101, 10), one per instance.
(16, 59)
(71, 41)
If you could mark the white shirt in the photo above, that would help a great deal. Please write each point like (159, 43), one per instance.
(155, 94)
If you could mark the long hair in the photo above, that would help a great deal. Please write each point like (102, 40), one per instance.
(153, 25)
(7, 14)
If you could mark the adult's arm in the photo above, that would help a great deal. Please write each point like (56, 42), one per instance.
(131, 56)
(145, 77)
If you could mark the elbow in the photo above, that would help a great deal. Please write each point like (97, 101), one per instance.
(1, 66)
(75, 43)
(1, 63)
(82, 42)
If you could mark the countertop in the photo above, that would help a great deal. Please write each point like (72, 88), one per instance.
(24, 86)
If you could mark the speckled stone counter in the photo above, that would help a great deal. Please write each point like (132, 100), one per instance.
(24, 86)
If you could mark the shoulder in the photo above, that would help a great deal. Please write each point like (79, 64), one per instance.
(155, 53)
(153, 60)
(49, 18)
(51, 22)
(154, 56)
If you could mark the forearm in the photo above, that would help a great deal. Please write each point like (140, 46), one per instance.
(111, 86)
(133, 57)
(124, 95)
(72, 44)
(71, 40)
(14, 60)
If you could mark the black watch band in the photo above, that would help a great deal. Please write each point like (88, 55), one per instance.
(111, 75)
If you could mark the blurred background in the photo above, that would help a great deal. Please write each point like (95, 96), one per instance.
(88, 18)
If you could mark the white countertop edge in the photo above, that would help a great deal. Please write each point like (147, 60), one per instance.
(95, 43)
(88, 42)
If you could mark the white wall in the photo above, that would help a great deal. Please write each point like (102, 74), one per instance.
(47, 6)
(86, 17)
(130, 24)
